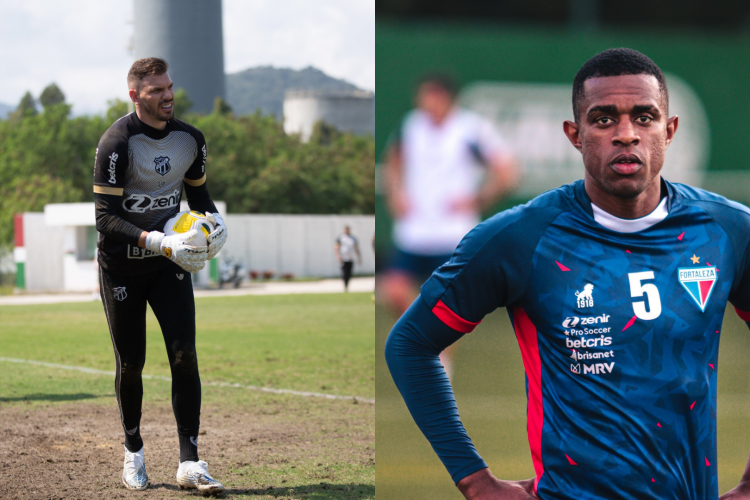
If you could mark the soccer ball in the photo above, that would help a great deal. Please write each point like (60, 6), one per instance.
(185, 221)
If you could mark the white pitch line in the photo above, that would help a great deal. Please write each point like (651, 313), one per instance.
(169, 379)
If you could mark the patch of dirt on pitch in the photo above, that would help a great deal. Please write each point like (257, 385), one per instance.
(75, 450)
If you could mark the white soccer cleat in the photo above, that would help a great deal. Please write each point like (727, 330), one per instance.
(134, 471)
(194, 475)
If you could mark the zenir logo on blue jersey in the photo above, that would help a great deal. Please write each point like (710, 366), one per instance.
(699, 283)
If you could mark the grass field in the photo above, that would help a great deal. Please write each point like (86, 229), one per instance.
(489, 387)
(260, 445)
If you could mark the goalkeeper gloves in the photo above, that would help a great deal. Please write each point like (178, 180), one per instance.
(176, 248)
(218, 237)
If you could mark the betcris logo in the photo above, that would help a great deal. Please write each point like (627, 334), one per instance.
(573, 321)
(140, 203)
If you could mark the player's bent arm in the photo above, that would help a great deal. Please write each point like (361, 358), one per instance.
(502, 178)
(412, 351)
(110, 224)
(199, 199)
(398, 203)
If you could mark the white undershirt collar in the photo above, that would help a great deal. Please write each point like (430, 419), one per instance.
(631, 225)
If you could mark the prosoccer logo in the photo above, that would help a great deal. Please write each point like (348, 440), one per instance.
(140, 203)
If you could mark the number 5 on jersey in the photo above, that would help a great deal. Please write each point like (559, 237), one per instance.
(638, 289)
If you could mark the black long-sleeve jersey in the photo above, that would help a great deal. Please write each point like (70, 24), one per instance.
(139, 174)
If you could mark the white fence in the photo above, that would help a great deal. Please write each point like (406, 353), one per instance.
(297, 244)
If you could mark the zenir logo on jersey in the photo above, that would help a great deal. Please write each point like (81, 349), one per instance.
(699, 283)
(140, 203)
(161, 165)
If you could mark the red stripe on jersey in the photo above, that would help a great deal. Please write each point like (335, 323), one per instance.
(452, 319)
(745, 316)
(526, 333)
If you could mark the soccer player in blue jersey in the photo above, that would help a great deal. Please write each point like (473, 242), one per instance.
(616, 286)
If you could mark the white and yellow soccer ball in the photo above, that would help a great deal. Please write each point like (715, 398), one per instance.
(185, 221)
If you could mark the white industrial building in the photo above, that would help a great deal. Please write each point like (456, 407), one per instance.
(59, 245)
(349, 111)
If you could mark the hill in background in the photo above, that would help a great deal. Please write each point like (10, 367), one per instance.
(264, 87)
(5, 110)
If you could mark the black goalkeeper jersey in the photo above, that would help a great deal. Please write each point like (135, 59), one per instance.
(138, 181)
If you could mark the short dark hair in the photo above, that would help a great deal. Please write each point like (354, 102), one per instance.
(442, 81)
(145, 67)
(616, 62)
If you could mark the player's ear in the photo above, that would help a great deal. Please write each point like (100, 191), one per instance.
(672, 124)
(133, 95)
(572, 130)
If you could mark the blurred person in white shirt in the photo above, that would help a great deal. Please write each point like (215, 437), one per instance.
(445, 165)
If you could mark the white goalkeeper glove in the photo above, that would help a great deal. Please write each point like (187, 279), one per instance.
(218, 237)
(176, 248)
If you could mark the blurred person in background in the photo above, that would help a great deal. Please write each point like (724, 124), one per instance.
(346, 249)
(445, 165)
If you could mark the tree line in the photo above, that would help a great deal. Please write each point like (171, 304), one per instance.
(47, 156)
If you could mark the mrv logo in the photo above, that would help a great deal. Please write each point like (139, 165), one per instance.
(574, 321)
(594, 369)
(140, 203)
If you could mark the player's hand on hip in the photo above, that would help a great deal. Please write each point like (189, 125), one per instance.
(741, 492)
(218, 237)
(177, 248)
(482, 485)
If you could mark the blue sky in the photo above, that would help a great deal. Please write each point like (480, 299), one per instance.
(83, 45)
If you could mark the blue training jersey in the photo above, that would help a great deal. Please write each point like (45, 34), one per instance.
(619, 336)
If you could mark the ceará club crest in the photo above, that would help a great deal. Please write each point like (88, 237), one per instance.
(161, 165)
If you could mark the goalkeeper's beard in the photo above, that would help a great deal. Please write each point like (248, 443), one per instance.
(157, 113)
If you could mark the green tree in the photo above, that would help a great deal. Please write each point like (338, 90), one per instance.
(252, 164)
(30, 194)
(51, 95)
(27, 107)
(182, 104)
(221, 107)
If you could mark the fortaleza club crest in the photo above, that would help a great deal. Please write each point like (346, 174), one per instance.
(162, 165)
(699, 283)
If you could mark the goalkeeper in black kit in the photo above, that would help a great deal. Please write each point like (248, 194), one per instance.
(143, 162)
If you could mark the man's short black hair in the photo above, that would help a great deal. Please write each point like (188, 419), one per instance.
(442, 81)
(616, 62)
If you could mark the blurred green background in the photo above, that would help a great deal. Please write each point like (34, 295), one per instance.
(706, 45)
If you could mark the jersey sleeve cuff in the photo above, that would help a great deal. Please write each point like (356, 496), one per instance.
(744, 315)
(468, 470)
(451, 319)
